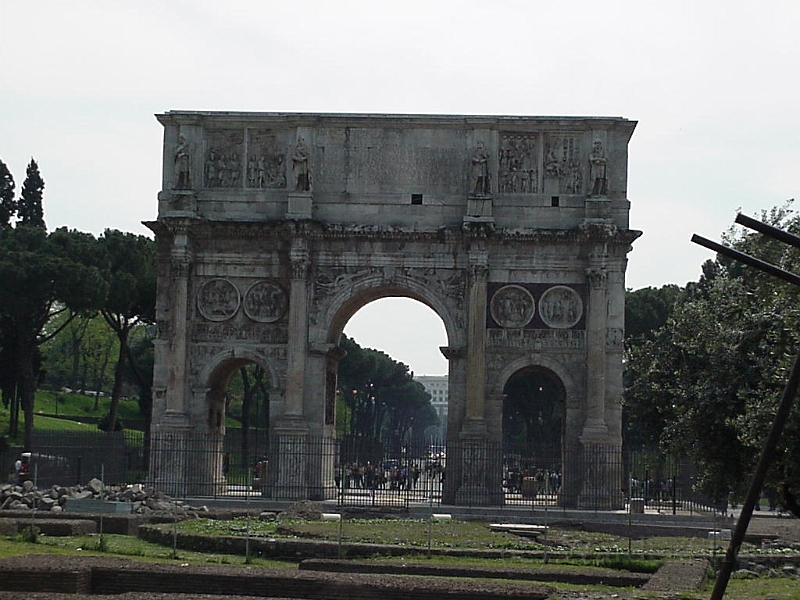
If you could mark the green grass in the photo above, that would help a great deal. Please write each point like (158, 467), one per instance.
(125, 546)
(773, 587)
(78, 405)
(53, 423)
(587, 546)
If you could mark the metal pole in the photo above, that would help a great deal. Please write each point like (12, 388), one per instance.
(751, 261)
(769, 230)
(767, 454)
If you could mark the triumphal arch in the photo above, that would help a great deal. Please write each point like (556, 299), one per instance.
(273, 229)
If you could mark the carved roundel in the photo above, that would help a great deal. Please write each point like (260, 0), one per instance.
(560, 307)
(512, 306)
(218, 300)
(265, 302)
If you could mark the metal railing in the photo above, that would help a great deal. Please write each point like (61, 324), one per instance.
(366, 474)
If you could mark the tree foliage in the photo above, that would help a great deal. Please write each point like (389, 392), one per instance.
(8, 202)
(128, 266)
(80, 356)
(707, 382)
(42, 276)
(382, 399)
(647, 310)
(30, 209)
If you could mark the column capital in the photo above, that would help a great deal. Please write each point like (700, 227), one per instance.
(180, 266)
(299, 259)
(597, 277)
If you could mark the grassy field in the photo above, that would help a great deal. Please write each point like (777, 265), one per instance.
(62, 411)
(590, 551)
(420, 533)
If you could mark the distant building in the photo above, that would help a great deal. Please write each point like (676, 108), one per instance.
(436, 386)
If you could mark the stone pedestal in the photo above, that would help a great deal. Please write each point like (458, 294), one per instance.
(300, 205)
(168, 456)
(477, 467)
(601, 477)
(287, 478)
(479, 209)
(598, 210)
(179, 203)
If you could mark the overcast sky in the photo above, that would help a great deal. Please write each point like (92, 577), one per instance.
(714, 85)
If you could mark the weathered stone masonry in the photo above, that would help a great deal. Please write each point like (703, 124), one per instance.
(274, 229)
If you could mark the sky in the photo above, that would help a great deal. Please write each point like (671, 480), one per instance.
(713, 84)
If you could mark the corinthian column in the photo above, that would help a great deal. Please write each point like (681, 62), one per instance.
(594, 428)
(180, 269)
(298, 330)
(476, 340)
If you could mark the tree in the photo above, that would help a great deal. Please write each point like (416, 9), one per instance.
(382, 399)
(647, 310)
(248, 400)
(128, 263)
(706, 384)
(78, 357)
(29, 209)
(8, 203)
(41, 278)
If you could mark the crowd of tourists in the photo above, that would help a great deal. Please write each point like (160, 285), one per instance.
(531, 480)
(392, 475)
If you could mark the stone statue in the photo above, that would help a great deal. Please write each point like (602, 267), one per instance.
(479, 180)
(552, 165)
(597, 169)
(183, 165)
(300, 167)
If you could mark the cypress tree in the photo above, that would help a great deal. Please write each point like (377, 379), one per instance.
(30, 211)
(8, 205)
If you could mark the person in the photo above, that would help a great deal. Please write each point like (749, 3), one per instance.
(22, 468)
(597, 168)
(183, 165)
(480, 171)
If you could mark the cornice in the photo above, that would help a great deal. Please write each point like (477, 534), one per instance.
(314, 230)
(339, 120)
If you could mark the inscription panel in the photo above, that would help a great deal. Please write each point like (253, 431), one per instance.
(276, 333)
(537, 339)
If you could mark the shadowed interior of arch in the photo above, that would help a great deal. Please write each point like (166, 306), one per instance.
(237, 401)
(533, 410)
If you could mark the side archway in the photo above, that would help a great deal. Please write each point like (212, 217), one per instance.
(226, 457)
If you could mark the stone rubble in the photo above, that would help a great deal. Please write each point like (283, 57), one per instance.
(145, 500)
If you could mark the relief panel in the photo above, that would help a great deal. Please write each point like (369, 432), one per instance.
(519, 164)
(223, 161)
(266, 163)
(535, 306)
(563, 163)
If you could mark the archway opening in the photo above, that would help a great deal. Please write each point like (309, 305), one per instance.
(533, 430)
(391, 400)
(238, 421)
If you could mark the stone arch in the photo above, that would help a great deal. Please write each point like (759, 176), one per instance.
(215, 375)
(574, 389)
(390, 213)
(572, 392)
(345, 303)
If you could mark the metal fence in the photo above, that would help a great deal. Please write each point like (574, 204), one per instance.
(359, 472)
